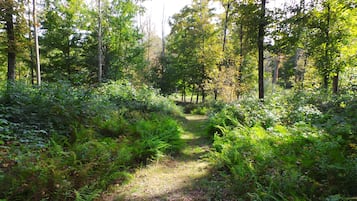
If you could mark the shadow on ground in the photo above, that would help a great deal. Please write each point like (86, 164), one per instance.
(186, 177)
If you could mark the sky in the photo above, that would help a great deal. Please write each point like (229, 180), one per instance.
(154, 9)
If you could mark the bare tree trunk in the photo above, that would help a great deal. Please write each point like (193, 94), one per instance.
(193, 90)
(240, 71)
(37, 49)
(32, 59)
(100, 44)
(327, 32)
(335, 83)
(226, 26)
(276, 69)
(11, 53)
(261, 34)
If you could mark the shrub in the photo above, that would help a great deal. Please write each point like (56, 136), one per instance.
(59, 142)
(288, 148)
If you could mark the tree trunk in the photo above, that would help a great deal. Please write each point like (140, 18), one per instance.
(276, 69)
(226, 26)
(261, 34)
(100, 44)
(215, 94)
(335, 83)
(241, 54)
(32, 59)
(192, 93)
(326, 80)
(197, 96)
(327, 32)
(11, 44)
(37, 49)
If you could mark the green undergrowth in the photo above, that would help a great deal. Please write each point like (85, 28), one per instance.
(299, 146)
(59, 142)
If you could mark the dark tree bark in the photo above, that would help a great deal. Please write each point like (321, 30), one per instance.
(226, 26)
(327, 33)
(261, 34)
(11, 44)
(335, 83)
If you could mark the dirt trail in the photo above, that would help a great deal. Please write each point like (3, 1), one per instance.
(172, 178)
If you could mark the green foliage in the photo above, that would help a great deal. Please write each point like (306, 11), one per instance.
(292, 147)
(158, 136)
(59, 142)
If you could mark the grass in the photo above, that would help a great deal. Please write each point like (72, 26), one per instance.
(172, 177)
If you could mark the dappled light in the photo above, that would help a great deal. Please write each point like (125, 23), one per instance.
(238, 100)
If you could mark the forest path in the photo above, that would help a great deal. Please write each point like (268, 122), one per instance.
(178, 178)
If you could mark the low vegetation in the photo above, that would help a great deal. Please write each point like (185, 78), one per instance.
(299, 146)
(58, 142)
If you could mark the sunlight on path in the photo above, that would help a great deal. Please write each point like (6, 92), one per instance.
(172, 178)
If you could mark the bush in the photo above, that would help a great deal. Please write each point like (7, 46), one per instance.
(288, 148)
(59, 142)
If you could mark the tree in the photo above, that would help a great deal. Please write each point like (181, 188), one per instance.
(8, 12)
(330, 34)
(261, 34)
(194, 47)
(100, 43)
(37, 49)
(62, 41)
(12, 17)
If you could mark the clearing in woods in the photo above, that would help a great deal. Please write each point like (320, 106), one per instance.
(184, 177)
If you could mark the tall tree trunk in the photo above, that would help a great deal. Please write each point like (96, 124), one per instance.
(261, 34)
(276, 69)
(203, 94)
(11, 44)
(197, 95)
(163, 51)
(37, 49)
(327, 33)
(32, 59)
(192, 93)
(335, 83)
(226, 26)
(100, 43)
(326, 81)
(241, 54)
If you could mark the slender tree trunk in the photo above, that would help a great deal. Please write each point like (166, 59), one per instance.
(327, 33)
(192, 92)
(226, 26)
(184, 93)
(303, 71)
(326, 81)
(11, 44)
(335, 83)
(241, 59)
(100, 43)
(37, 49)
(32, 59)
(276, 69)
(261, 34)
(197, 95)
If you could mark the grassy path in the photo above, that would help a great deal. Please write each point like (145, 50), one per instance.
(182, 177)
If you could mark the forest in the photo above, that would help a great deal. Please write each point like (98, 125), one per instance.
(241, 100)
